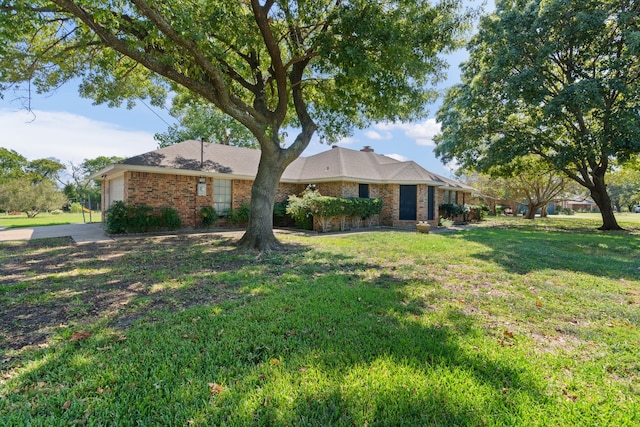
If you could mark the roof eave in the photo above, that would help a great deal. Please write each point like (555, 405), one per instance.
(118, 167)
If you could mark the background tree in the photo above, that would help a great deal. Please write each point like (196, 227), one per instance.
(492, 190)
(271, 65)
(82, 188)
(555, 78)
(12, 165)
(624, 187)
(199, 120)
(22, 194)
(41, 169)
(536, 184)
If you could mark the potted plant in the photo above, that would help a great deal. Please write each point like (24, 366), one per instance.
(423, 227)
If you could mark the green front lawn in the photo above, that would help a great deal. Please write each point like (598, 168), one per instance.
(14, 221)
(523, 323)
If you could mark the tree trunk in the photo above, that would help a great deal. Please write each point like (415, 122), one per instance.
(259, 234)
(543, 211)
(601, 197)
(531, 210)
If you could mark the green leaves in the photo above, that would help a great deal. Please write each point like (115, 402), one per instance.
(553, 78)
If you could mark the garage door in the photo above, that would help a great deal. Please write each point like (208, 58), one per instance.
(116, 190)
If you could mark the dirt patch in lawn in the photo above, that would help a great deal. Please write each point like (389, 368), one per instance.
(50, 284)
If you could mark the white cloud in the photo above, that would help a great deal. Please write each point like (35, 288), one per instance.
(348, 140)
(398, 157)
(422, 132)
(372, 134)
(68, 137)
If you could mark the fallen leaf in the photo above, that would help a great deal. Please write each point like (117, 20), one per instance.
(274, 362)
(80, 335)
(538, 303)
(508, 334)
(215, 388)
(571, 397)
(66, 404)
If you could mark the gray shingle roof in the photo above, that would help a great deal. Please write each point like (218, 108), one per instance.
(335, 164)
(187, 155)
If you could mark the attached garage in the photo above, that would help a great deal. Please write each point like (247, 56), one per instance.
(115, 192)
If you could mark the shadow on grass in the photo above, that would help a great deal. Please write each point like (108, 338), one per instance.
(520, 250)
(301, 337)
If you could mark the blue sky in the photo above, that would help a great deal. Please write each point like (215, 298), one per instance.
(70, 129)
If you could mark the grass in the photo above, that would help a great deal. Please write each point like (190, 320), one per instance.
(522, 323)
(15, 221)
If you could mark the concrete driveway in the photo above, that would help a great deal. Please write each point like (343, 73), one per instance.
(80, 233)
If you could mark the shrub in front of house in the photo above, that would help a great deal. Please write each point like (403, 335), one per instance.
(209, 216)
(325, 209)
(115, 218)
(239, 216)
(464, 213)
(122, 218)
(280, 216)
(452, 210)
(169, 219)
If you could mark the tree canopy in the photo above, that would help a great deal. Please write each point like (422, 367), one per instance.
(201, 121)
(23, 195)
(317, 65)
(556, 78)
(14, 165)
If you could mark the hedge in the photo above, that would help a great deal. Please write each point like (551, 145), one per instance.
(122, 218)
(326, 209)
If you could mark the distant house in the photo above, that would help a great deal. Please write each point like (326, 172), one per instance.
(192, 174)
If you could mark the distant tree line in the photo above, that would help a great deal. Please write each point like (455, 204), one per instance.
(34, 186)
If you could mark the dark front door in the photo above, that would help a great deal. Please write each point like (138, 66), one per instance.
(408, 202)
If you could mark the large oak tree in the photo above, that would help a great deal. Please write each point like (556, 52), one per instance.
(309, 65)
(556, 78)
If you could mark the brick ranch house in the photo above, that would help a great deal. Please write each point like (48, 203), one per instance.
(192, 174)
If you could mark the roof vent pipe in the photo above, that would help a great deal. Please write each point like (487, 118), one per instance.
(367, 149)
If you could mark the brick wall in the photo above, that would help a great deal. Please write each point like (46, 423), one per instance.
(176, 191)
(240, 192)
(180, 192)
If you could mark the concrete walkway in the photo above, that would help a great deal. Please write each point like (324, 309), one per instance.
(80, 233)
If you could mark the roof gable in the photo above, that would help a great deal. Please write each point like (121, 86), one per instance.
(201, 156)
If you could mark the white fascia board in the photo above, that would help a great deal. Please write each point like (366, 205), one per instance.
(118, 168)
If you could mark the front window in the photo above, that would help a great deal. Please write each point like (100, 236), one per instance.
(222, 195)
(450, 197)
(363, 191)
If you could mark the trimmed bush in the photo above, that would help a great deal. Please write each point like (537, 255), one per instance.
(209, 216)
(239, 216)
(115, 218)
(169, 219)
(325, 209)
(122, 218)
